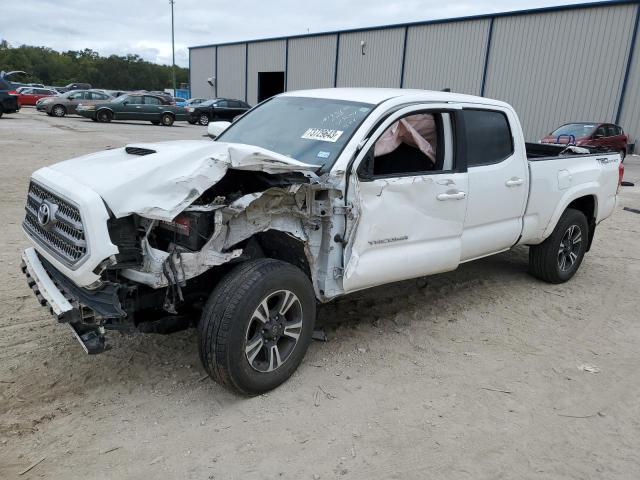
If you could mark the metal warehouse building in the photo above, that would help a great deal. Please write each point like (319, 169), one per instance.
(554, 65)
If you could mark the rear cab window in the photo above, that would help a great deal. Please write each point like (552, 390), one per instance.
(487, 137)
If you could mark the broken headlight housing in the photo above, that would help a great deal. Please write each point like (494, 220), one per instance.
(190, 230)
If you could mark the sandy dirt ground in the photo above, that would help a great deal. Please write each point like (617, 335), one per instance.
(472, 374)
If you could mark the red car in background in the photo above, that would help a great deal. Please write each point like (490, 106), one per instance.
(592, 135)
(29, 96)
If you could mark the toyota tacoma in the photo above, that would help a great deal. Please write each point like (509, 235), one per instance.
(309, 196)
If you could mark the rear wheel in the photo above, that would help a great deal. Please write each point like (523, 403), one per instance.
(167, 119)
(257, 325)
(203, 119)
(58, 111)
(558, 258)
(104, 116)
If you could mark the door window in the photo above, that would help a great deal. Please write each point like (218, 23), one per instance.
(413, 145)
(135, 100)
(600, 132)
(151, 100)
(77, 96)
(98, 96)
(611, 131)
(222, 104)
(488, 137)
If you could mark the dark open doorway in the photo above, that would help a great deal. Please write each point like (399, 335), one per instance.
(270, 84)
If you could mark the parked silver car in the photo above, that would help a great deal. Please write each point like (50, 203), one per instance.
(67, 103)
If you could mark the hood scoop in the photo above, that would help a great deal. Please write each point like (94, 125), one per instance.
(139, 151)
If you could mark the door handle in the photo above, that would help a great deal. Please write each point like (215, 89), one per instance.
(514, 182)
(451, 196)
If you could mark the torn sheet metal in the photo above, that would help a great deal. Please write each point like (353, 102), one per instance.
(274, 209)
(162, 184)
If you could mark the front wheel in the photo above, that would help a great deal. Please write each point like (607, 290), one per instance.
(558, 258)
(257, 325)
(58, 111)
(104, 116)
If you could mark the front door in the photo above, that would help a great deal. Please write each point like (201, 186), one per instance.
(498, 182)
(130, 109)
(74, 99)
(409, 195)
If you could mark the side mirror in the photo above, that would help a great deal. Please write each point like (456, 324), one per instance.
(216, 128)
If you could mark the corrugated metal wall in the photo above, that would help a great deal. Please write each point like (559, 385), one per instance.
(379, 66)
(446, 55)
(553, 67)
(317, 74)
(562, 66)
(231, 71)
(263, 57)
(630, 113)
(203, 62)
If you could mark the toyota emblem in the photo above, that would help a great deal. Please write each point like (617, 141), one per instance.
(44, 214)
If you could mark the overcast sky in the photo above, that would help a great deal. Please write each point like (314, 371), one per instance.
(144, 26)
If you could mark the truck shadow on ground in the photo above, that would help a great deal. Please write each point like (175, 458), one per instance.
(159, 365)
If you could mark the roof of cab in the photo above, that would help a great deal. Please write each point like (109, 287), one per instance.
(379, 95)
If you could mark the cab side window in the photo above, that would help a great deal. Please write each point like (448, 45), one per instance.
(412, 145)
(488, 137)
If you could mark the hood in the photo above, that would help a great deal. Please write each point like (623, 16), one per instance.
(159, 180)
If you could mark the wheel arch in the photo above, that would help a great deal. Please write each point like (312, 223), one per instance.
(583, 201)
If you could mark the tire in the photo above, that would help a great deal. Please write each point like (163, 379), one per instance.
(231, 323)
(167, 119)
(558, 258)
(104, 116)
(203, 119)
(58, 111)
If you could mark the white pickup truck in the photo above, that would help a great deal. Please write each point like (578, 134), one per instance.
(309, 196)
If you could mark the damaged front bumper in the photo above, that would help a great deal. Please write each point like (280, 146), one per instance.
(82, 309)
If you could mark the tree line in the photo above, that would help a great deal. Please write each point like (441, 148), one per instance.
(49, 67)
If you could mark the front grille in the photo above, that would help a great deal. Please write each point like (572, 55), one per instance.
(60, 230)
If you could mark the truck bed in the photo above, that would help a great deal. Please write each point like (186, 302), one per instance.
(545, 151)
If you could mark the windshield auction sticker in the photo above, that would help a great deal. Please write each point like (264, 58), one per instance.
(322, 134)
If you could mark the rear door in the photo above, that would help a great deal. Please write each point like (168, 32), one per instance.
(498, 181)
(409, 191)
(152, 108)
